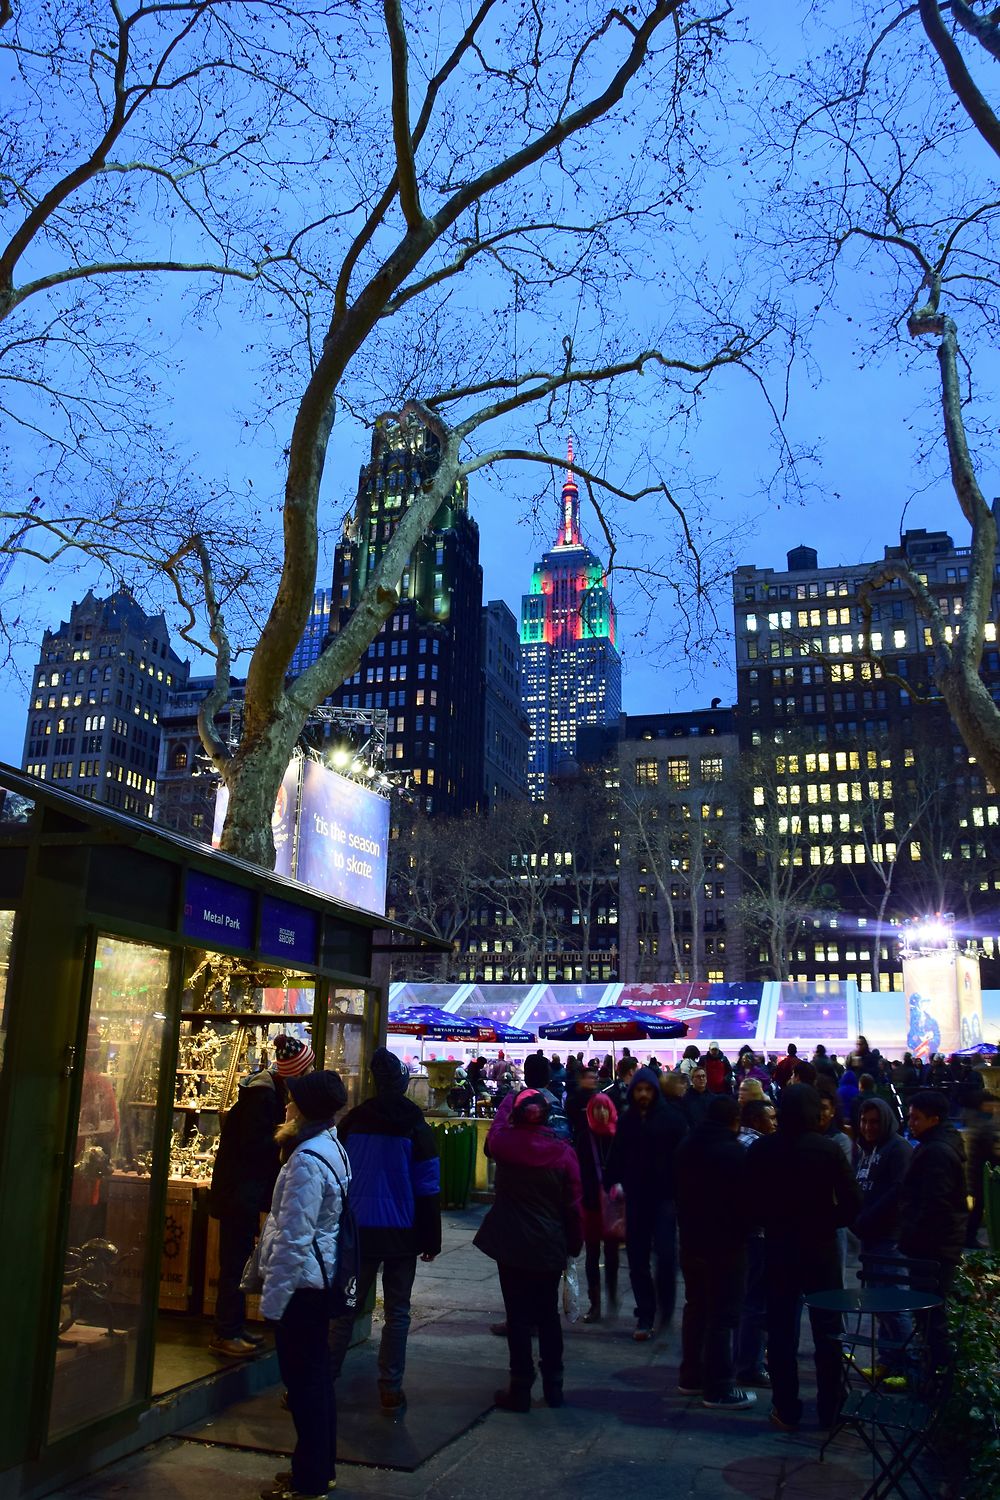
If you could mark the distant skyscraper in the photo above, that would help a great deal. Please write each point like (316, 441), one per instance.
(315, 633)
(507, 733)
(424, 666)
(571, 670)
(99, 688)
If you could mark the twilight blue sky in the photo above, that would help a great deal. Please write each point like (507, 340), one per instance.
(863, 416)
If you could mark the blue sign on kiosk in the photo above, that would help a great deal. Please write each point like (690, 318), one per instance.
(287, 931)
(217, 912)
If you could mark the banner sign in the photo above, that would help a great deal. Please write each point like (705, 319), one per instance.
(217, 912)
(343, 839)
(288, 932)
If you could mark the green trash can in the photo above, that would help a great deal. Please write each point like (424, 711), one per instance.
(457, 1145)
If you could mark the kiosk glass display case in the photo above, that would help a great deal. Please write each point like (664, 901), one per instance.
(112, 1209)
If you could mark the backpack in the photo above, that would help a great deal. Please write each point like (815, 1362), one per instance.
(347, 1272)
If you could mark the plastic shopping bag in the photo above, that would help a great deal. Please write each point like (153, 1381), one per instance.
(571, 1291)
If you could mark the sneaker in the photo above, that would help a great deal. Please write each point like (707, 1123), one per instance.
(393, 1402)
(689, 1390)
(757, 1378)
(642, 1335)
(233, 1348)
(593, 1313)
(257, 1339)
(777, 1420)
(873, 1372)
(736, 1399)
(894, 1383)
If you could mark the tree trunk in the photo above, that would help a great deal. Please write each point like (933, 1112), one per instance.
(253, 777)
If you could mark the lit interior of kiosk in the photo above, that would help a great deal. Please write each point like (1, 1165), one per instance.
(232, 1010)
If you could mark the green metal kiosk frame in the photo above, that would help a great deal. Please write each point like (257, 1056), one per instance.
(96, 904)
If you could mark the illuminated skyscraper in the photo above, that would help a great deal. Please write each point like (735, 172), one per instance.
(571, 672)
(424, 665)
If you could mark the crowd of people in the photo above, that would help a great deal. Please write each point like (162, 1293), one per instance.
(752, 1178)
(745, 1178)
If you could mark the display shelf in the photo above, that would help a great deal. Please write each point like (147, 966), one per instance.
(274, 1018)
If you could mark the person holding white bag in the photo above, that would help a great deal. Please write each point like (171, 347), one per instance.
(531, 1231)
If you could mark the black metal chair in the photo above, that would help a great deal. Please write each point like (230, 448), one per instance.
(896, 1427)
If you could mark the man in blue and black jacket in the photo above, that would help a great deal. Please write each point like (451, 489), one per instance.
(396, 1200)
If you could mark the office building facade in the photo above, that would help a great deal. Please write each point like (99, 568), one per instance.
(315, 634)
(99, 689)
(507, 734)
(859, 787)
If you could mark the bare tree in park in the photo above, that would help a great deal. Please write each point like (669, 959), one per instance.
(886, 828)
(524, 869)
(582, 820)
(674, 841)
(455, 208)
(783, 862)
(890, 141)
(435, 884)
(143, 148)
(484, 184)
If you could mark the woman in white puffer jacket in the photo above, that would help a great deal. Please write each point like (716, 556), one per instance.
(298, 1257)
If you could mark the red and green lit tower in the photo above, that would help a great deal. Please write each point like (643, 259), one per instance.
(572, 672)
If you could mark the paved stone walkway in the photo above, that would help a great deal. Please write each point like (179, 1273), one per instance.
(623, 1432)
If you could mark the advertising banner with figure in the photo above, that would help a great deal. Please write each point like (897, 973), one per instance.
(329, 832)
(944, 1003)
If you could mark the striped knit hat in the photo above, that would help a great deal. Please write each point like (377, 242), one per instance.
(292, 1057)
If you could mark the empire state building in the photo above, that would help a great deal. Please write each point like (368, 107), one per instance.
(571, 670)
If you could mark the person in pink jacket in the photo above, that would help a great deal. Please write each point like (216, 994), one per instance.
(532, 1229)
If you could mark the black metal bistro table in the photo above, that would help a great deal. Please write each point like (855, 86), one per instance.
(895, 1428)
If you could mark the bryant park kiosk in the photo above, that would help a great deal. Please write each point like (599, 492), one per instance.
(141, 976)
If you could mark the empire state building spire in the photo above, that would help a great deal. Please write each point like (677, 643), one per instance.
(569, 526)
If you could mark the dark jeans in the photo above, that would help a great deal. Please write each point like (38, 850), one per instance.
(237, 1232)
(398, 1272)
(713, 1296)
(749, 1359)
(933, 1325)
(652, 1230)
(592, 1262)
(304, 1361)
(531, 1300)
(790, 1276)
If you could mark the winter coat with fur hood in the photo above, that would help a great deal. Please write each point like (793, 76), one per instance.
(303, 1224)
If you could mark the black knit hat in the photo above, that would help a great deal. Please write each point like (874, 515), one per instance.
(390, 1075)
(319, 1096)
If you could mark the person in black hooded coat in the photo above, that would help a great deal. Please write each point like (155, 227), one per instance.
(802, 1191)
(642, 1164)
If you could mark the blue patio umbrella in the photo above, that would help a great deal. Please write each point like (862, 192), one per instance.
(610, 1023)
(428, 1020)
(502, 1031)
